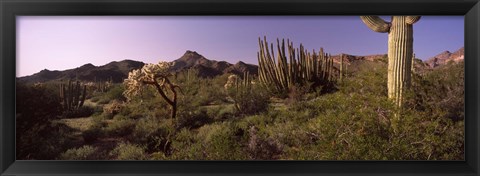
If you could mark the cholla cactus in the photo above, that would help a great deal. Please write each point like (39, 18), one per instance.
(156, 75)
(231, 81)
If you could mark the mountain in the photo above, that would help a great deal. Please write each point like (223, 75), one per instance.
(116, 71)
(446, 57)
(210, 68)
(353, 58)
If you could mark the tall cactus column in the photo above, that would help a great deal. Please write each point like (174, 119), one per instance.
(400, 51)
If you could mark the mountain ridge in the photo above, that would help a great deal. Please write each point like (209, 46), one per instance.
(117, 71)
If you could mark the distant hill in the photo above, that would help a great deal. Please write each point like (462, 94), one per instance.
(210, 68)
(445, 57)
(116, 71)
(352, 58)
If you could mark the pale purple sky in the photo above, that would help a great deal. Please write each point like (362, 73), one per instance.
(65, 42)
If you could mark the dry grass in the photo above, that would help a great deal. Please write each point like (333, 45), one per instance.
(81, 124)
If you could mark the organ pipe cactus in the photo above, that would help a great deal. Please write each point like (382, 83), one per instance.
(73, 97)
(293, 66)
(400, 51)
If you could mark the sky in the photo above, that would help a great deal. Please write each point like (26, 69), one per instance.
(66, 42)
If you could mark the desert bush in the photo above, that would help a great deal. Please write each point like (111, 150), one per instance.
(84, 111)
(91, 135)
(103, 101)
(85, 152)
(222, 141)
(186, 147)
(249, 98)
(94, 98)
(217, 141)
(440, 92)
(113, 108)
(115, 93)
(35, 104)
(120, 127)
(355, 124)
(296, 94)
(222, 112)
(369, 78)
(262, 148)
(154, 133)
(149, 103)
(127, 151)
(192, 118)
(36, 136)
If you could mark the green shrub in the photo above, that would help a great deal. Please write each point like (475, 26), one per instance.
(85, 152)
(115, 93)
(192, 119)
(440, 92)
(149, 103)
(222, 112)
(296, 94)
(155, 134)
(222, 141)
(120, 127)
(92, 134)
(185, 146)
(217, 141)
(95, 99)
(369, 78)
(103, 101)
(252, 99)
(84, 111)
(127, 151)
(36, 136)
(262, 148)
(113, 108)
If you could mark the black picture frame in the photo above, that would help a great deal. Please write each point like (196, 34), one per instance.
(9, 9)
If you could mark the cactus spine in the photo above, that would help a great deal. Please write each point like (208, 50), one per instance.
(298, 68)
(72, 97)
(400, 51)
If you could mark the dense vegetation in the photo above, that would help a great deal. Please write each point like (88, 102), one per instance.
(353, 122)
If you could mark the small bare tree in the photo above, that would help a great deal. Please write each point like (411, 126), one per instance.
(157, 76)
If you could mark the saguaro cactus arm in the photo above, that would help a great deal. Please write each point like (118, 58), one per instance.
(412, 19)
(376, 23)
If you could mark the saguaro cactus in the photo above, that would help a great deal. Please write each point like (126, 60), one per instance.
(400, 51)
